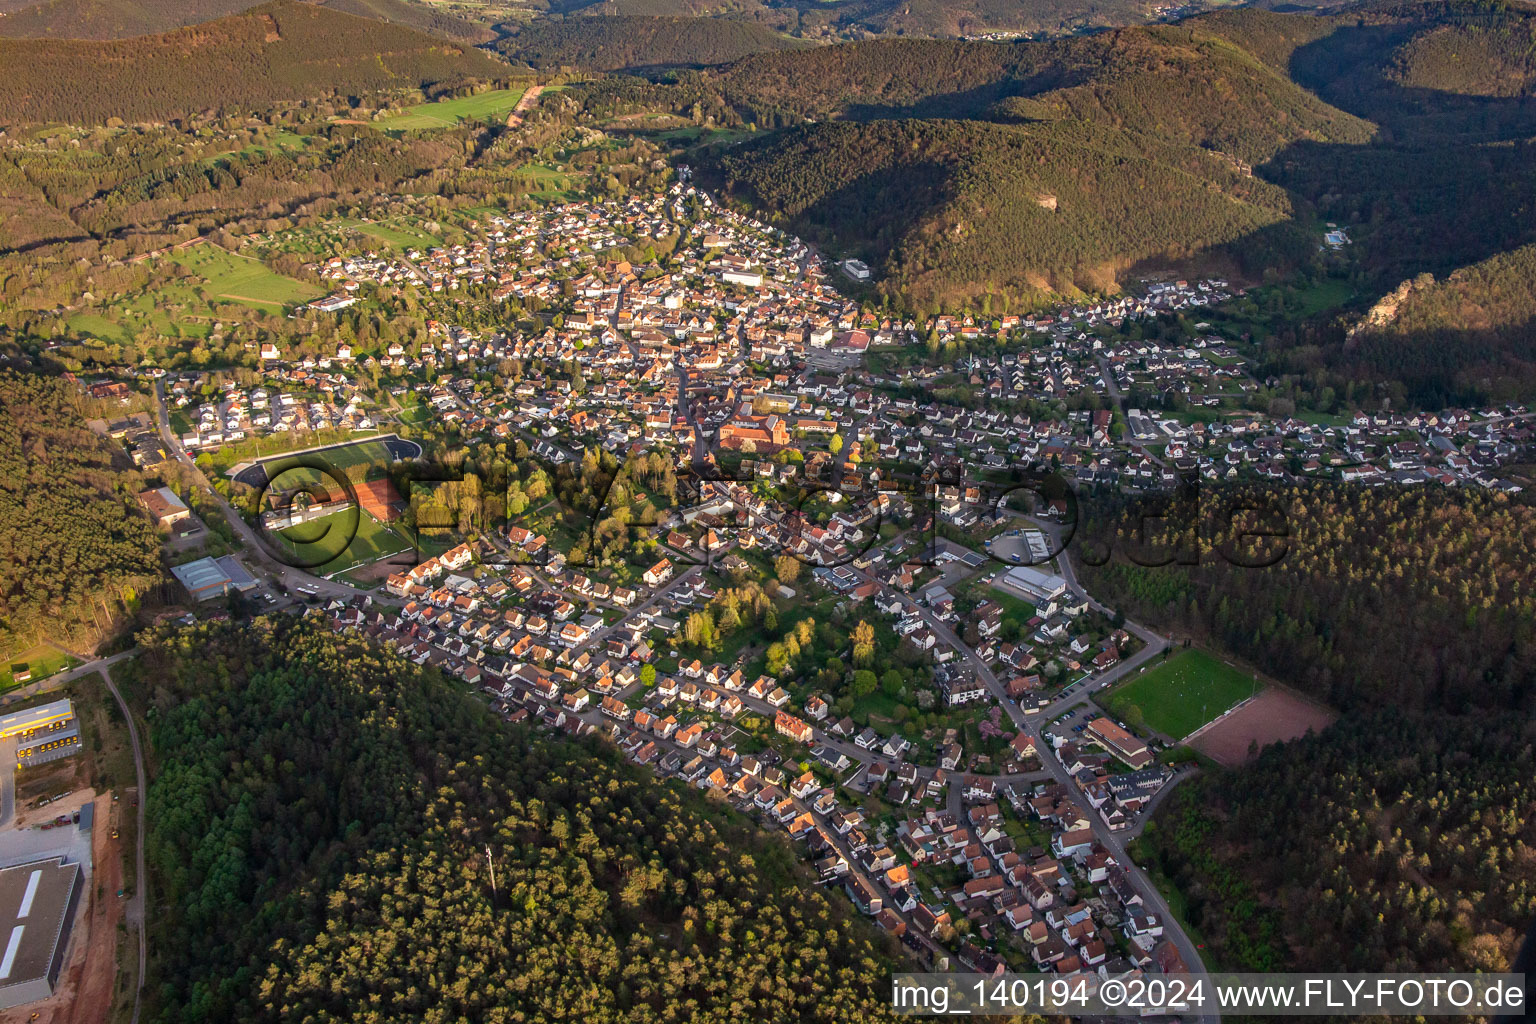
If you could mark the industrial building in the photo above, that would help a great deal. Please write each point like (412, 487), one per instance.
(43, 733)
(1034, 584)
(208, 578)
(31, 719)
(37, 912)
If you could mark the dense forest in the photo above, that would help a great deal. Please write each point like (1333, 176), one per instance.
(1407, 825)
(1419, 597)
(326, 818)
(999, 214)
(1464, 340)
(113, 19)
(76, 554)
(283, 50)
(1392, 842)
(607, 44)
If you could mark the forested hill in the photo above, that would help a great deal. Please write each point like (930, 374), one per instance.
(1418, 597)
(114, 19)
(820, 20)
(1410, 123)
(1404, 836)
(609, 43)
(1086, 157)
(318, 834)
(280, 51)
(1464, 339)
(1444, 189)
(75, 555)
(961, 210)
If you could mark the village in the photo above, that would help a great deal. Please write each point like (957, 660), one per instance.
(952, 797)
(743, 342)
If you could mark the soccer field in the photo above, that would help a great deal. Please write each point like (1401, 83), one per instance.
(289, 472)
(1181, 694)
(494, 105)
(326, 541)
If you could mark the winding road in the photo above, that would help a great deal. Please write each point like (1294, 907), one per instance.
(1033, 725)
(140, 900)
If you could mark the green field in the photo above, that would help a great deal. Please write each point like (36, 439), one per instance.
(402, 236)
(242, 279)
(545, 181)
(42, 660)
(328, 538)
(185, 308)
(1180, 695)
(293, 473)
(494, 105)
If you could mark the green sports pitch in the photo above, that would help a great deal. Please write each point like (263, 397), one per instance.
(1183, 693)
(328, 545)
(287, 472)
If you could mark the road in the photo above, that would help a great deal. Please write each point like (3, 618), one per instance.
(255, 548)
(524, 104)
(1033, 725)
(7, 780)
(140, 899)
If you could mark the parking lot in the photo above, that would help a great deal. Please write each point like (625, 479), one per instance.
(1024, 546)
(1075, 721)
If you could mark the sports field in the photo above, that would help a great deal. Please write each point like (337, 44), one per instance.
(330, 542)
(494, 105)
(288, 472)
(1183, 693)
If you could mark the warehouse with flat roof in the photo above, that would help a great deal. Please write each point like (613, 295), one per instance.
(208, 578)
(40, 717)
(1034, 584)
(37, 911)
(43, 733)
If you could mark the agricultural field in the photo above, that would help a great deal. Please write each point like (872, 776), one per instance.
(186, 308)
(494, 105)
(331, 542)
(242, 279)
(1182, 694)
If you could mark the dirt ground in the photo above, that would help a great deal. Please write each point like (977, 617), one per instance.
(377, 571)
(1271, 717)
(85, 991)
(62, 776)
(524, 104)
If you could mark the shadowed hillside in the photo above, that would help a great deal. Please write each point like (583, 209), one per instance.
(120, 19)
(1059, 166)
(959, 209)
(1410, 123)
(280, 51)
(635, 42)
